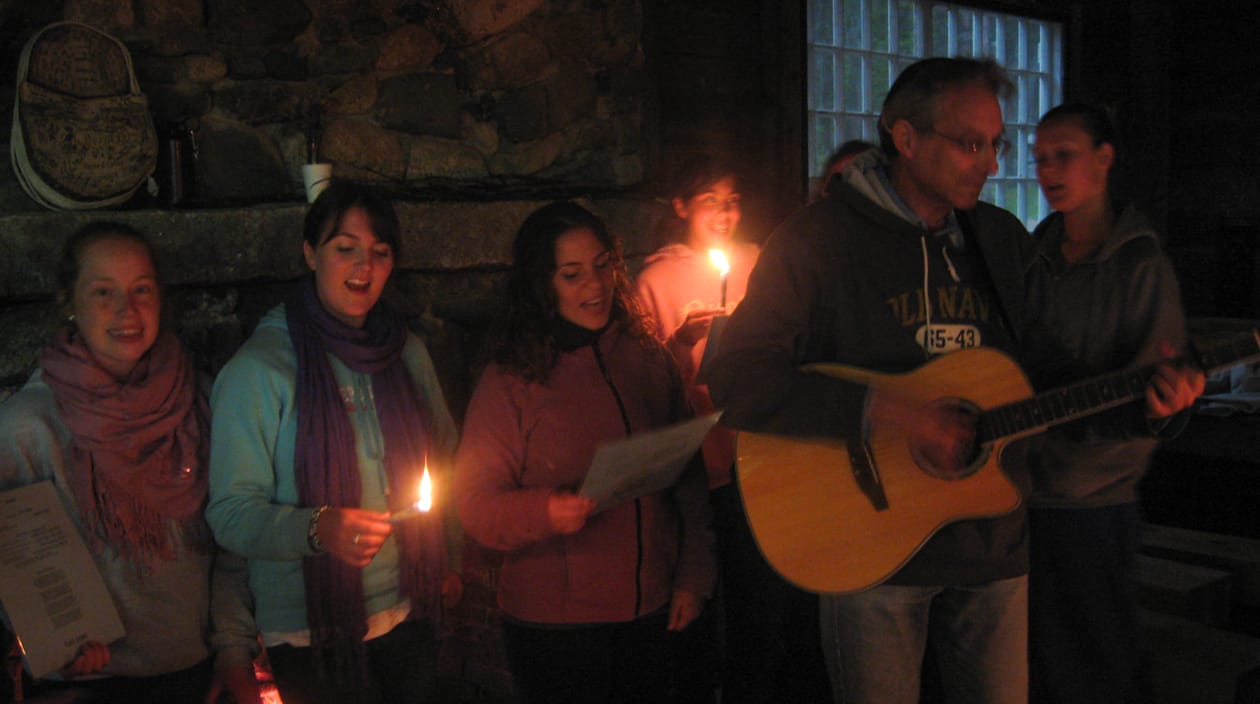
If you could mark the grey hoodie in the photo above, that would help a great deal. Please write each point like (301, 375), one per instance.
(842, 281)
(1100, 315)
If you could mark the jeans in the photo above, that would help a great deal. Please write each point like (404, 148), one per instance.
(402, 667)
(875, 642)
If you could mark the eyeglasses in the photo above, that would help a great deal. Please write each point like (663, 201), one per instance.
(1000, 146)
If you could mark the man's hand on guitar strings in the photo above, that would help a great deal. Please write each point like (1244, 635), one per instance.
(1173, 387)
(942, 434)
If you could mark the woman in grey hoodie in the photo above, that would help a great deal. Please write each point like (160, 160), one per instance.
(1101, 296)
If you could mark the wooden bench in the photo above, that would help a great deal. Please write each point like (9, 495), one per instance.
(1239, 556)
(1191, 663)
(1197, 593)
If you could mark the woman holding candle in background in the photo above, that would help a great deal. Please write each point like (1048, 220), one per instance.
(324, 421)
(115, 420)
(681, 283)
(772, 650)
(588, 600)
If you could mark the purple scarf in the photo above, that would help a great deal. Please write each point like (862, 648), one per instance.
(327, 473)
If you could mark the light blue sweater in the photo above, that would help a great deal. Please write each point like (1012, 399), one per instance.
(253, 496)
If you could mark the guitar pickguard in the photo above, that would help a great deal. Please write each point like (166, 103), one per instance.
(866, 474)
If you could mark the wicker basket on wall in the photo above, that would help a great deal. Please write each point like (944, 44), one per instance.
(82, 137)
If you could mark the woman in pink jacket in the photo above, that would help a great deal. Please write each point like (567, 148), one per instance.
(771, 647)
(588, 598)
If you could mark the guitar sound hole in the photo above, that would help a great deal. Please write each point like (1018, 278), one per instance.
(974, 454)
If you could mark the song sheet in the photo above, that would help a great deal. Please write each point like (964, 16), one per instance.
(49, 585)
(644, 463)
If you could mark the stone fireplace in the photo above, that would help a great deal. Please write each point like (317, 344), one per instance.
(431, 98)
(470, 113)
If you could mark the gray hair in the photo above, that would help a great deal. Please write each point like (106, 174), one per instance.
(913, 95)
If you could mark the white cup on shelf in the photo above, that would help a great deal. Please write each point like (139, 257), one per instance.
(315, 177)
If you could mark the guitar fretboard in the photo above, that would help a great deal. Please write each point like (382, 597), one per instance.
(1091, 396)
(1062, 405)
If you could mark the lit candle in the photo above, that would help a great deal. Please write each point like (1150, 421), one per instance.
(719, 260)
(423, 504)
(426, 490)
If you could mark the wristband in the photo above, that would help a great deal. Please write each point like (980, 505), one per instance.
(312, 532)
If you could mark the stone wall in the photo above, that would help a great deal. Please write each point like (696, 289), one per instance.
(449, 98)
(226, 267)
(471, 113)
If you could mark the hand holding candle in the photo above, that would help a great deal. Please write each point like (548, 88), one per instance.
(695, 327)
(724, 267)
(352, 535)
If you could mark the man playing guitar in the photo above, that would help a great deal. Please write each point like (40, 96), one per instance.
(900, 265)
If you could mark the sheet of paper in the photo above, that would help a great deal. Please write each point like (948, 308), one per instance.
(49, 584)
(644, 463)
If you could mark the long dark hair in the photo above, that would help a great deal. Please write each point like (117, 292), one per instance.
(691, 177)
(525, 342)
(330, 208)
(1096, 121)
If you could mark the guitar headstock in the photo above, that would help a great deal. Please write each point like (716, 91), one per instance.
(1222, 353)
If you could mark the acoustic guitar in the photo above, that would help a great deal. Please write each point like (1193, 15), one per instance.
(836, 515)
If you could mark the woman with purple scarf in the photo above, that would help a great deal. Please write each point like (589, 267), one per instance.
(324, 421)
(115, 420)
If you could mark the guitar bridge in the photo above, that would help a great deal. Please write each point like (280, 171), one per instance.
(867, 476)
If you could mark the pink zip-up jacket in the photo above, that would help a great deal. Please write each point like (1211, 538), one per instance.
(524, 440)
(674, 281)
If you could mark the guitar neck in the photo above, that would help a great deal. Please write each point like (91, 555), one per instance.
(1098, 394)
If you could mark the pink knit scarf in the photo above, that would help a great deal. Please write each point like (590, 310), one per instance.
(138, 460)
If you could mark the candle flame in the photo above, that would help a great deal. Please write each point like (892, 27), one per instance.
(719, 260)
(426, 490)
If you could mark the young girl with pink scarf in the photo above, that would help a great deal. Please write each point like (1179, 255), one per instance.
(114, 419)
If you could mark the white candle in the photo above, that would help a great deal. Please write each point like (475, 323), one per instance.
(723, 266)
(426, 490)
(425, 502)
